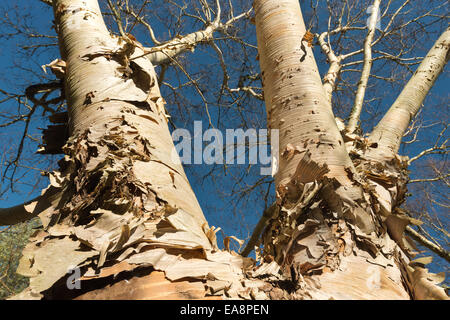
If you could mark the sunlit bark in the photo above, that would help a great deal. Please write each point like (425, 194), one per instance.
(121, 209)
(100, 96)
(329, 80)
(121, 176)
(298, 106)
(388, 134)
(296, 103)
(367, 66)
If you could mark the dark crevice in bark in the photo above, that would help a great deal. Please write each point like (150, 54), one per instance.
(60, 290)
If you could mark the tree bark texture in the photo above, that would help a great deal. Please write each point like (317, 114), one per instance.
(336, 216)
(388, 134)
(121, 213)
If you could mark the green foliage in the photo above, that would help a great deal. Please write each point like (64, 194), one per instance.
(12, 241)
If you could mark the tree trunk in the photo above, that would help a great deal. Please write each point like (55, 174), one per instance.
(329, 232)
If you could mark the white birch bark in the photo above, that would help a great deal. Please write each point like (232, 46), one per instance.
(296, 102)
(119, 186)
(299, 107)
(329, 80)
(166, 52)
(365, 73)
(388, 133)
(120, 151)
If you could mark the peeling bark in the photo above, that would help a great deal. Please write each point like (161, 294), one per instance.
(120, 187)
(296, 103)
(329, 81)
(120, 208)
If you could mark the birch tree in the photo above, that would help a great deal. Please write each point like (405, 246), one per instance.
(119, 212)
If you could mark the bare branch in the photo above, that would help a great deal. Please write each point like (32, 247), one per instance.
(143, 22)
(430, 179)
(117, 19)
(267, 215)
(49, 2)
(359, 99)
(329, 80)
(196, 86)
(442, 149)
(250, 90)
(163, 53)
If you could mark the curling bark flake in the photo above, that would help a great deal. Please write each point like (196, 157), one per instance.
(114, 96)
